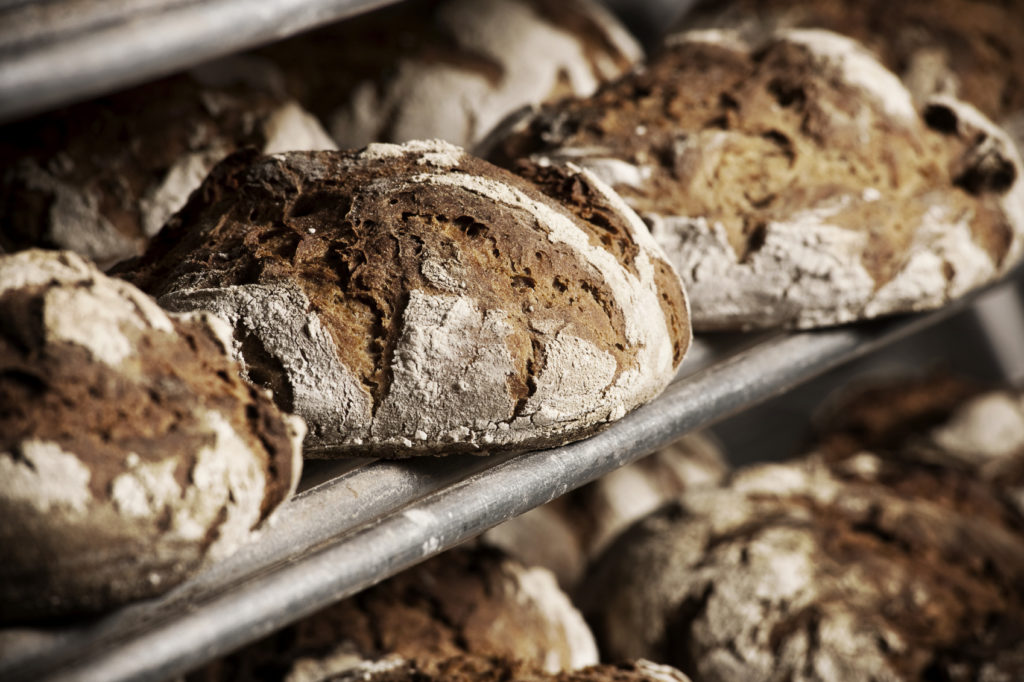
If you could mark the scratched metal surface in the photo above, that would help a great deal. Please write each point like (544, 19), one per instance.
(55, 52)
(356, 523)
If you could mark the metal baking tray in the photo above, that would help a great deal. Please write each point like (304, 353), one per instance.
(59, 51)
(354, 523)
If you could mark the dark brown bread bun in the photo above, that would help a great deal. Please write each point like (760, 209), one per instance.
(101, 178)
(131, 452)
(792, 181)
(450, 69)
(855, 568)
(414, 300)
(466, 602)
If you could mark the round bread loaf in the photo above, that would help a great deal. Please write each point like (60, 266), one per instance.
(130, 450)
(469, 601)
(566, 533)
(414, 300)
(969, 49)
(450, 69)
(793, 182)
(101, 178)
(939, 419)
(861, 568)
(484, 669)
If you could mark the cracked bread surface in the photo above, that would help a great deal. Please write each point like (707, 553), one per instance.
(970, 49)
(473, 602)
(100, 178)
(861, 567)
(131, 452)
(792, 182)
(410, 299)
(494, 669)
(450, 69)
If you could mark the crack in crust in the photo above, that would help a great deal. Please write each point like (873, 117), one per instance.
(792, 181)
(440, 281)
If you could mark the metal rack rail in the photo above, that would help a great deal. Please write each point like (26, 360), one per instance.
(58, 51)
(356, 523)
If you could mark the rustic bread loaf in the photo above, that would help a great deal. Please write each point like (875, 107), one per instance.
(970, 49)
(492, 669)
(130, 450)
(566, 533)
(859, 568)
(450, 69)
(476, 602)
(793, 182)
(414, 300)
(101, 178)
(938, 419)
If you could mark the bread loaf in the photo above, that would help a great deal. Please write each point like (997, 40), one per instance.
(483, 669)
(963, 48)
(855, 568)
(100, 178)
(414, 300)
(793, 182)
(466, 602)
(131, 452)
(450, 69)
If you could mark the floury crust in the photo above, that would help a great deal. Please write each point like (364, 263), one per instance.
(414, 300)
(100, 178)
(450, 69)
(130, 451)
(792, 182)
(851, 568)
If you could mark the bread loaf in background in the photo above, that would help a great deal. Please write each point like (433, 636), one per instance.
(131, 452)
(413, 300)
(792, 181)
(450, 69)
(101, 177)
(475, 602)
(970, 49)
(859, 567)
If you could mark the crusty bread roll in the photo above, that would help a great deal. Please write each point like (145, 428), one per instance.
(492, 669)
(793, 182)
(450, 69)
(970, 49)
(130, 450)
(566, 533)
(414, 300)
(100, 178)
(469, 601)
(857, 568)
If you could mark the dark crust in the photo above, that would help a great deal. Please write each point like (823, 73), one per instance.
(888, 417)
(56, 392)
(983, 39)
(943, 558)
(453, 605)
(315, 219)
(117, 147)
(785, 154)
